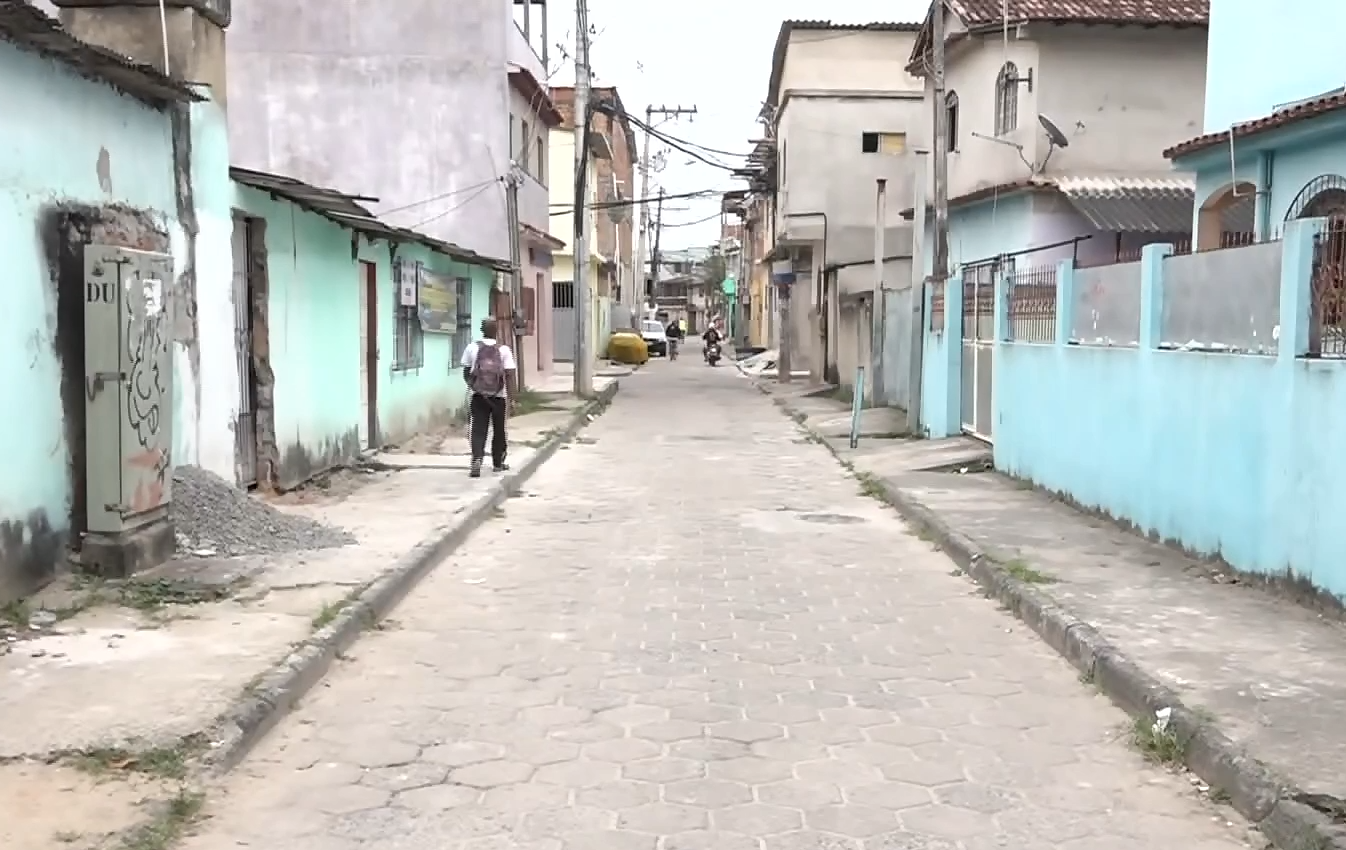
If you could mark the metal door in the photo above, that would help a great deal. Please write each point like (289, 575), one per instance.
(563, 320)
(978, 348)
(128, 387)
(245, 426)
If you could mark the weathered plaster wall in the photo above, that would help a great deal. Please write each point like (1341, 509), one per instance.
(78, 146)
(407, 102)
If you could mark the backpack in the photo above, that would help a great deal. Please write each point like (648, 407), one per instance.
(488, 372)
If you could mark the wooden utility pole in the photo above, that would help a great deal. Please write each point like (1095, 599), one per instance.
(516, 318)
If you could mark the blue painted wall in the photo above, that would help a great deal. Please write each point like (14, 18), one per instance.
(1261, 54)
(416, 400)
(1209, 450)
(986, 229)
(315, 326)
(56, 125)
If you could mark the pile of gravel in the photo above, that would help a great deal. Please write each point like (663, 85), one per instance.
(213, 517)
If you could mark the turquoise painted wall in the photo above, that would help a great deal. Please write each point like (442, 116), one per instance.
(983, 230)
(415, 400)
(315, 326)
(1208, 450)
(1297, 155)
(941, 365)
(1261, 54)
(56, 126)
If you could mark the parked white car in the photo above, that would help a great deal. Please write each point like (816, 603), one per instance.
(656, 338)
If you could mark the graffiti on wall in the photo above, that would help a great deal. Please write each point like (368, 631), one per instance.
(146, 338)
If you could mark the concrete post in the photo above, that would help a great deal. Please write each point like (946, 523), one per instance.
(1297, 246)
(1152, 294)
(1065, 300)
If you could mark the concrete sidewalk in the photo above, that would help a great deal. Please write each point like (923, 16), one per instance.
(186, 667)
(1256, 682)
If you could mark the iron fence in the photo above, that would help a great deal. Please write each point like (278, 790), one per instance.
(936, 307)
(1327, 320)
(979, 300)
(1032, 304)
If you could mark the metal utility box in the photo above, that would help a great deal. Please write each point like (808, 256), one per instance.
(128, 374)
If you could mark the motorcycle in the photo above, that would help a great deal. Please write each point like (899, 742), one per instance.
(713, 353)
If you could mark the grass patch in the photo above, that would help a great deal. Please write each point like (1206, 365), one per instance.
(328, 613)
(541, 439)
(170, 826)
(158, 593)
(1157, 745)
(531, 401)
(159, 762)
(1019, 568)
(872, 487)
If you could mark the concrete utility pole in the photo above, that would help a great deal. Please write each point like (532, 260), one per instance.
(584, 356)
(877, 308)
(941, 152)
(918, 317)
(650, 112)
(516, 317)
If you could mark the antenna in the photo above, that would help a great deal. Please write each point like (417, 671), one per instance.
(1054, 134)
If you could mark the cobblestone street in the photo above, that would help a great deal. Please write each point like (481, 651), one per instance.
(693, 632)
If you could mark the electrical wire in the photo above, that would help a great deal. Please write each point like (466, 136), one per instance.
(469, 199)
(710, 217)
(440, 197)
(630, 202)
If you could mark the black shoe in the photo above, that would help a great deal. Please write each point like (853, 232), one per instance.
(475, 471)
(503, 467)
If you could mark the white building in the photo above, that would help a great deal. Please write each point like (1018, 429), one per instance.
(844, 113)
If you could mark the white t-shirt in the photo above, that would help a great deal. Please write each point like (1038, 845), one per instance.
(506, 359)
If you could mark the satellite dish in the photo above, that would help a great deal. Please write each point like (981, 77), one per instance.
(1054, 134)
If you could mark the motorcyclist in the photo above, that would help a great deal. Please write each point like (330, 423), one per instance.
(711, 336)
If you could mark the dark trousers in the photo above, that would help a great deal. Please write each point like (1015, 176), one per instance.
(488, 413)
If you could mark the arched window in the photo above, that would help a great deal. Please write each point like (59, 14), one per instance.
(951, 118)
(1007, 99)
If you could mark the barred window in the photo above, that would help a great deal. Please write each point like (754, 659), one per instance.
(1007, 99)
(409, 339)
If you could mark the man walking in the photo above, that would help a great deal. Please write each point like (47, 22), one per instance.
(490, 372)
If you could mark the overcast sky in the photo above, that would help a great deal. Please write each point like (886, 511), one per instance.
(714, 54)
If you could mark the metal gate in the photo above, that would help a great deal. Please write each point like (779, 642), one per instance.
(245, 427)
(978, 347)
(563, 320)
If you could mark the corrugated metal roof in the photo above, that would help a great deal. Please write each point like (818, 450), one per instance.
(31, 29)
(344, 209)
(1132, 204)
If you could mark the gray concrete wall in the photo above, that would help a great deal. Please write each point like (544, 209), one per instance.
(404, 101)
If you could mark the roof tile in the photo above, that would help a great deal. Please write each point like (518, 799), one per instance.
(974, 12)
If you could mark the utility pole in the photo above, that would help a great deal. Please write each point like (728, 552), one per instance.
(918, 317)
(654, 258)
(877, 306)
(941, 152)
(516, 318)
(584, 357)
(650, 112)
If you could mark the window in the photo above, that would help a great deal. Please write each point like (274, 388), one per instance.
(462, 336)
(893, 144)
(1007, 99)
(525, 148)
(541, 161)
(408, 339)
(951, 119)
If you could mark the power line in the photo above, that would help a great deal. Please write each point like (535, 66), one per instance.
(698, 221)
(469, 199)
(440, 197)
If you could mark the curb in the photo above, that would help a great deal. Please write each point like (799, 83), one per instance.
(270, 698)
(1274, 804)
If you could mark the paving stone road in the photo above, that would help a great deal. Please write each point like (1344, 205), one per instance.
(694, 633)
